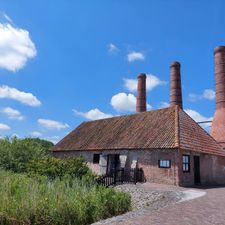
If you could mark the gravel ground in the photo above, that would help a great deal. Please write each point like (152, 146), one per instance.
(143, 199)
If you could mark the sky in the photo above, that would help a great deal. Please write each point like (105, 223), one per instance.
(68, 61)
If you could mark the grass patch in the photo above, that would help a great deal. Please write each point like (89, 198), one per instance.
(26, 200)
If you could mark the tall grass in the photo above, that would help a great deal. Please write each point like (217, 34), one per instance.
(25, 200)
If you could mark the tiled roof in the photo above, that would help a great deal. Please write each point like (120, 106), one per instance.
(194, 137)
(164, 128)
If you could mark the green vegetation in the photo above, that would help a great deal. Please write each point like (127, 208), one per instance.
(32, 155)
(38, 189)
(25, 200)
(15, 154)
(53, 168)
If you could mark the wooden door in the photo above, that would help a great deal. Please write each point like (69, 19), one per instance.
(197, 178)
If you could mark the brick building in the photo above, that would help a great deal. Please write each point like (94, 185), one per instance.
(167, 143)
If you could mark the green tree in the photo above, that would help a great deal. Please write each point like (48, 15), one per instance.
(15, 153)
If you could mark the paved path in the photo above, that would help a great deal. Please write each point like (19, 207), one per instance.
(206, 210)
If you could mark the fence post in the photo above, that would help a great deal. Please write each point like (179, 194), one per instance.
(122, 175)
(135, 175)
(114, 177)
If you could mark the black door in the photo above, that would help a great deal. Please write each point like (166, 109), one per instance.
(116, 161)
(113, 162)
(197, 169)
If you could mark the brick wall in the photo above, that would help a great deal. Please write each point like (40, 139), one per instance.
(147, 160)
(212, 169)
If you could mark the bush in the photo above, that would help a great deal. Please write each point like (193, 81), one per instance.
(53, 168)
(61, 202)
(32, 155)
(15, 154)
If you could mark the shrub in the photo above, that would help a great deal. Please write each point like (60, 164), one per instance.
(61, 202)
(53, 168)
(15, 154)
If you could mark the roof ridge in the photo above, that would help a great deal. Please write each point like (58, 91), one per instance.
(127, 115)
(177, 127)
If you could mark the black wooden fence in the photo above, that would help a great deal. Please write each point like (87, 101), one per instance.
(121, 176)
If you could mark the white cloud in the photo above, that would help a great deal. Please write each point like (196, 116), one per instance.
(152, 81)
(193, 97)
(4, 127)
(130, 84)
(149, 107)
(53, 139)
(7, 18)
(123, 102)
(52, 124)
(135, 56)
(12, 113)
(164, 105)
(198, 117)
(16, 47)
(93, 114)
(112, 48)
(208, 94)
(23, 97)
(36, 134)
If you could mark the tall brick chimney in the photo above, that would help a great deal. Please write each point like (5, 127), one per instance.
(218, 124)
(141, 93)
(175, 85)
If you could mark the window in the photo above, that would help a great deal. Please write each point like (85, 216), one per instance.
(164, 163)
(96, 158)
(186, 163)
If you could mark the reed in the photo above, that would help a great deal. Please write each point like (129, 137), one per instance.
(36, 200)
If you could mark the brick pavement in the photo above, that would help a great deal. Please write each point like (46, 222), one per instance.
(206, 210)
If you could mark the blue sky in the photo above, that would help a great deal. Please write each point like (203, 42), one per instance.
(63, 62)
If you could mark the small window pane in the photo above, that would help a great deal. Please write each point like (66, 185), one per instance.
(186, 159)
(167, 163)
(96, 158)
(186, 163)
(161, 163)
(164, 163)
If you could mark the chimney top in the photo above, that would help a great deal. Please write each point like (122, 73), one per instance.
(175, 64)
(141, 75)
(219, 49)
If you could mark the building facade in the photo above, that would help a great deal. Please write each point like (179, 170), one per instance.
(167, 144)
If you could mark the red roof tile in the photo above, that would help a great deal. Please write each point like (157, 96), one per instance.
(164, 128)
(194, 137)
